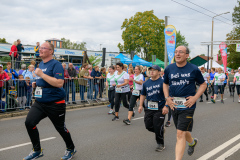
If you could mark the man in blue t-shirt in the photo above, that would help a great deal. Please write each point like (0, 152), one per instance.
(180, 94)
(155, 108)
(49, 102)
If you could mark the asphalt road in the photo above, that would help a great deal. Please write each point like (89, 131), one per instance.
(97, 137)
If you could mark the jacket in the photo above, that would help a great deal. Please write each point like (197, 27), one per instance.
(12, 70)
(22, 88)
(36, 49)
(66, 75)
(72, 72)
(2, 77)
(14, 50)
(95, 74)
(20, 48)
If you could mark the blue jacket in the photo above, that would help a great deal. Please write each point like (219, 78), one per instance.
(95, 74)
(29, 74)
(12, 70)
(22, 88)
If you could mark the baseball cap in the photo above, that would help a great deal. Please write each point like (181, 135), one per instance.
(1, 65)
(155, 67)
(238, 68)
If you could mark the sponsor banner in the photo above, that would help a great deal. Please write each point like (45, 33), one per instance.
(170, 41)
(238, 47)
(223, 50)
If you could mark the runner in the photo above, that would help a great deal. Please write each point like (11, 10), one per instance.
(211, 79)
(121, 90)
(218, 84)
(110, 84)
(155, 109)
(181, 96)
(231, 83)
(206, 78)
(237, 82)
(49, 102)
(137, 87)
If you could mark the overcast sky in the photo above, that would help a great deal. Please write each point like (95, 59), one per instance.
(99, 21)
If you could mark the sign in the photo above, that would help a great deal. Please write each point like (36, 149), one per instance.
(223, 50)
(170, 41)
(238, 47)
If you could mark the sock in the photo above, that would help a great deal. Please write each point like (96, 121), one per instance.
(191, 144)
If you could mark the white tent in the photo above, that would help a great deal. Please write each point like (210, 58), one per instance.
(214, 65)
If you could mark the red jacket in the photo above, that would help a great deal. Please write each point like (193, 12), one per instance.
(2, 77)
(66, 75)
(13, 50)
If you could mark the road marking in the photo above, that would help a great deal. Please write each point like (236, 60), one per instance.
(24, 144)
(137, 118)
(217, 100)
(219, 148)
(229, 152)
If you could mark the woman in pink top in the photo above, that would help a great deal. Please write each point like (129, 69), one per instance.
(131, 77)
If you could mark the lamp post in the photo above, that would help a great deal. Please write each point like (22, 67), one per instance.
(212, 36)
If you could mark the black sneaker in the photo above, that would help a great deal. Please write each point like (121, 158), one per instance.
(201, 100)
(207, 99)
(168, 124)
(116, 118)
(191, 148)
(127, 121)
(160, 148)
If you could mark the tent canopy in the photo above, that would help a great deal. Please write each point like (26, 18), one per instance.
(214, 65)
(138, 61)
(124, 59)
(159, 63)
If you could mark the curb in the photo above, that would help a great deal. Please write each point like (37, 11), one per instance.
(25, 112)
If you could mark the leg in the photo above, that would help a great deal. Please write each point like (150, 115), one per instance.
(73, 91)
(112, 95)
(24, 101)
(169, 114)
(124, 99)
(133, 101)
(158, 124)
(35, 115)
(180, 145)
(117, 102)
(20, 102)
(148, 120)
(215, 91)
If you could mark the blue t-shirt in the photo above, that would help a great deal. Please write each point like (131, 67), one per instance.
(226, 77)
(212, 75)
(181, 80)
(153, 90)
(52, 68)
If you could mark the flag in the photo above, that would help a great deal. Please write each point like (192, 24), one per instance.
(223, 50)
(170, 41)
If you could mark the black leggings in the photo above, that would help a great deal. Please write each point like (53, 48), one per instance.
(133, 101)
(118, 98)
(154, 122)
(212, 86)
(56, 113)
(238, 89)
(169, 114)
(231, 88)
(206, 94)
(111, 96)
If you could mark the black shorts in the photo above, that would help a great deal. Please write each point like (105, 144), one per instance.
(183, 119)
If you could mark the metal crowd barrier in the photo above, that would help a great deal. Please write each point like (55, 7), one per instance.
(15, 96)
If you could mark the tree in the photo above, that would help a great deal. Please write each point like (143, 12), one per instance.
(234, 57)
(144, 32)
(180, 40)
(121, 47)
(3, 40)
(95, 60)
(72, 45)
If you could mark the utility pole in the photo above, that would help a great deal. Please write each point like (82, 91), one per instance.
(165, 48)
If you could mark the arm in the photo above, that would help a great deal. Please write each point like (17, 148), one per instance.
(139, 82)
(142, 98)
(234, 79)
(6, 76)
(126, 81)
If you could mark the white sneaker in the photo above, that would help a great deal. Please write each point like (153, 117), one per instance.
(111, 111)
(238, 100)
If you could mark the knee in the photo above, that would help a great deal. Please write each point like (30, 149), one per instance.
(29, 124)
(181, 134)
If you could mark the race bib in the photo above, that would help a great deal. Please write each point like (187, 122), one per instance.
(136, 92)
(238, 83)
(152, 105)
(218, 82)
(118, 90)
(180, 102)
(231, 83)
(38, 92)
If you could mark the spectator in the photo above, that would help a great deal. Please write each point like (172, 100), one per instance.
(3, 78)
(23, 68)
(131, 78)
(101, 84)
(10, 85)
(125, 68)
(19, 48)
(72, 75)
(12, 71)
(13, 51)
(130, 66)
(22, 92)
(29, 92)
(84, 76)
(97, 76)
(33, 63)
(66, 82)
(90, 69)
(29, 73)
(36, 49)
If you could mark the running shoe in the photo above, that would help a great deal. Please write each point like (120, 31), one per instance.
(168, 124)
(116, 118)
(111, 111)
(212, 97)
(160, 148)
(68, 154)
(207, 99)
(201, 100)
(238, 100)
(191, 147)
(127, 121)
(213, 100)
(222, 101)
(34, 155)
(133, 113)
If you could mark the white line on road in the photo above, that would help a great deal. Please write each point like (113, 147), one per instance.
(229, 152)
(218, 100)
(137, 118)
(219, 148)
(24, 144)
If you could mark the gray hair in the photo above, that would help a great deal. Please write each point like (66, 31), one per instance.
(187, 49)
(23, 66)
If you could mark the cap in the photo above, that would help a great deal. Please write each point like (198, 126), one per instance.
(238, 68)
(1, 65)
(155, 67)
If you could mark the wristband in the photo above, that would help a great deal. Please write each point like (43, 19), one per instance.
(166, 98)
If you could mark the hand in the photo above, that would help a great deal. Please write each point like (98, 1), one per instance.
(171, 104)
(140, 108)
(131, 87)
(39, 72)
(33, 84)
(12, 87)
(165, 110)
(191, 100)
(131, 79)
(13, 72)
(118, 86)
(114, 85)
(4, 80)
(70, 78)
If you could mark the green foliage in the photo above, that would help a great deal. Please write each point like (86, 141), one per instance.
(3, 40)
(95, 60)
(72, 45)
(121, 47)
(202, 55)
(180, 40)
(144, 32)
(234, 57)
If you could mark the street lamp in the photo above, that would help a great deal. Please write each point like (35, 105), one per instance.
(212, 36)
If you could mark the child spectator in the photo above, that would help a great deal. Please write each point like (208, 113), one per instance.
(10, 70)
(10, 85)
(3, 77)
(29, 91)
(29, 73)
(22, 92)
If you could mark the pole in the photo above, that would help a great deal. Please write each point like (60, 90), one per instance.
(165, 48)
(212, 43)
(208, 59)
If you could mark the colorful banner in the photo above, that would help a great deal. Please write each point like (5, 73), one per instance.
(238, 47)
(223, 50)
(170, 41)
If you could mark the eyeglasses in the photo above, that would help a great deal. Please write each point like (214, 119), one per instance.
(44, 48)
(179, 52)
